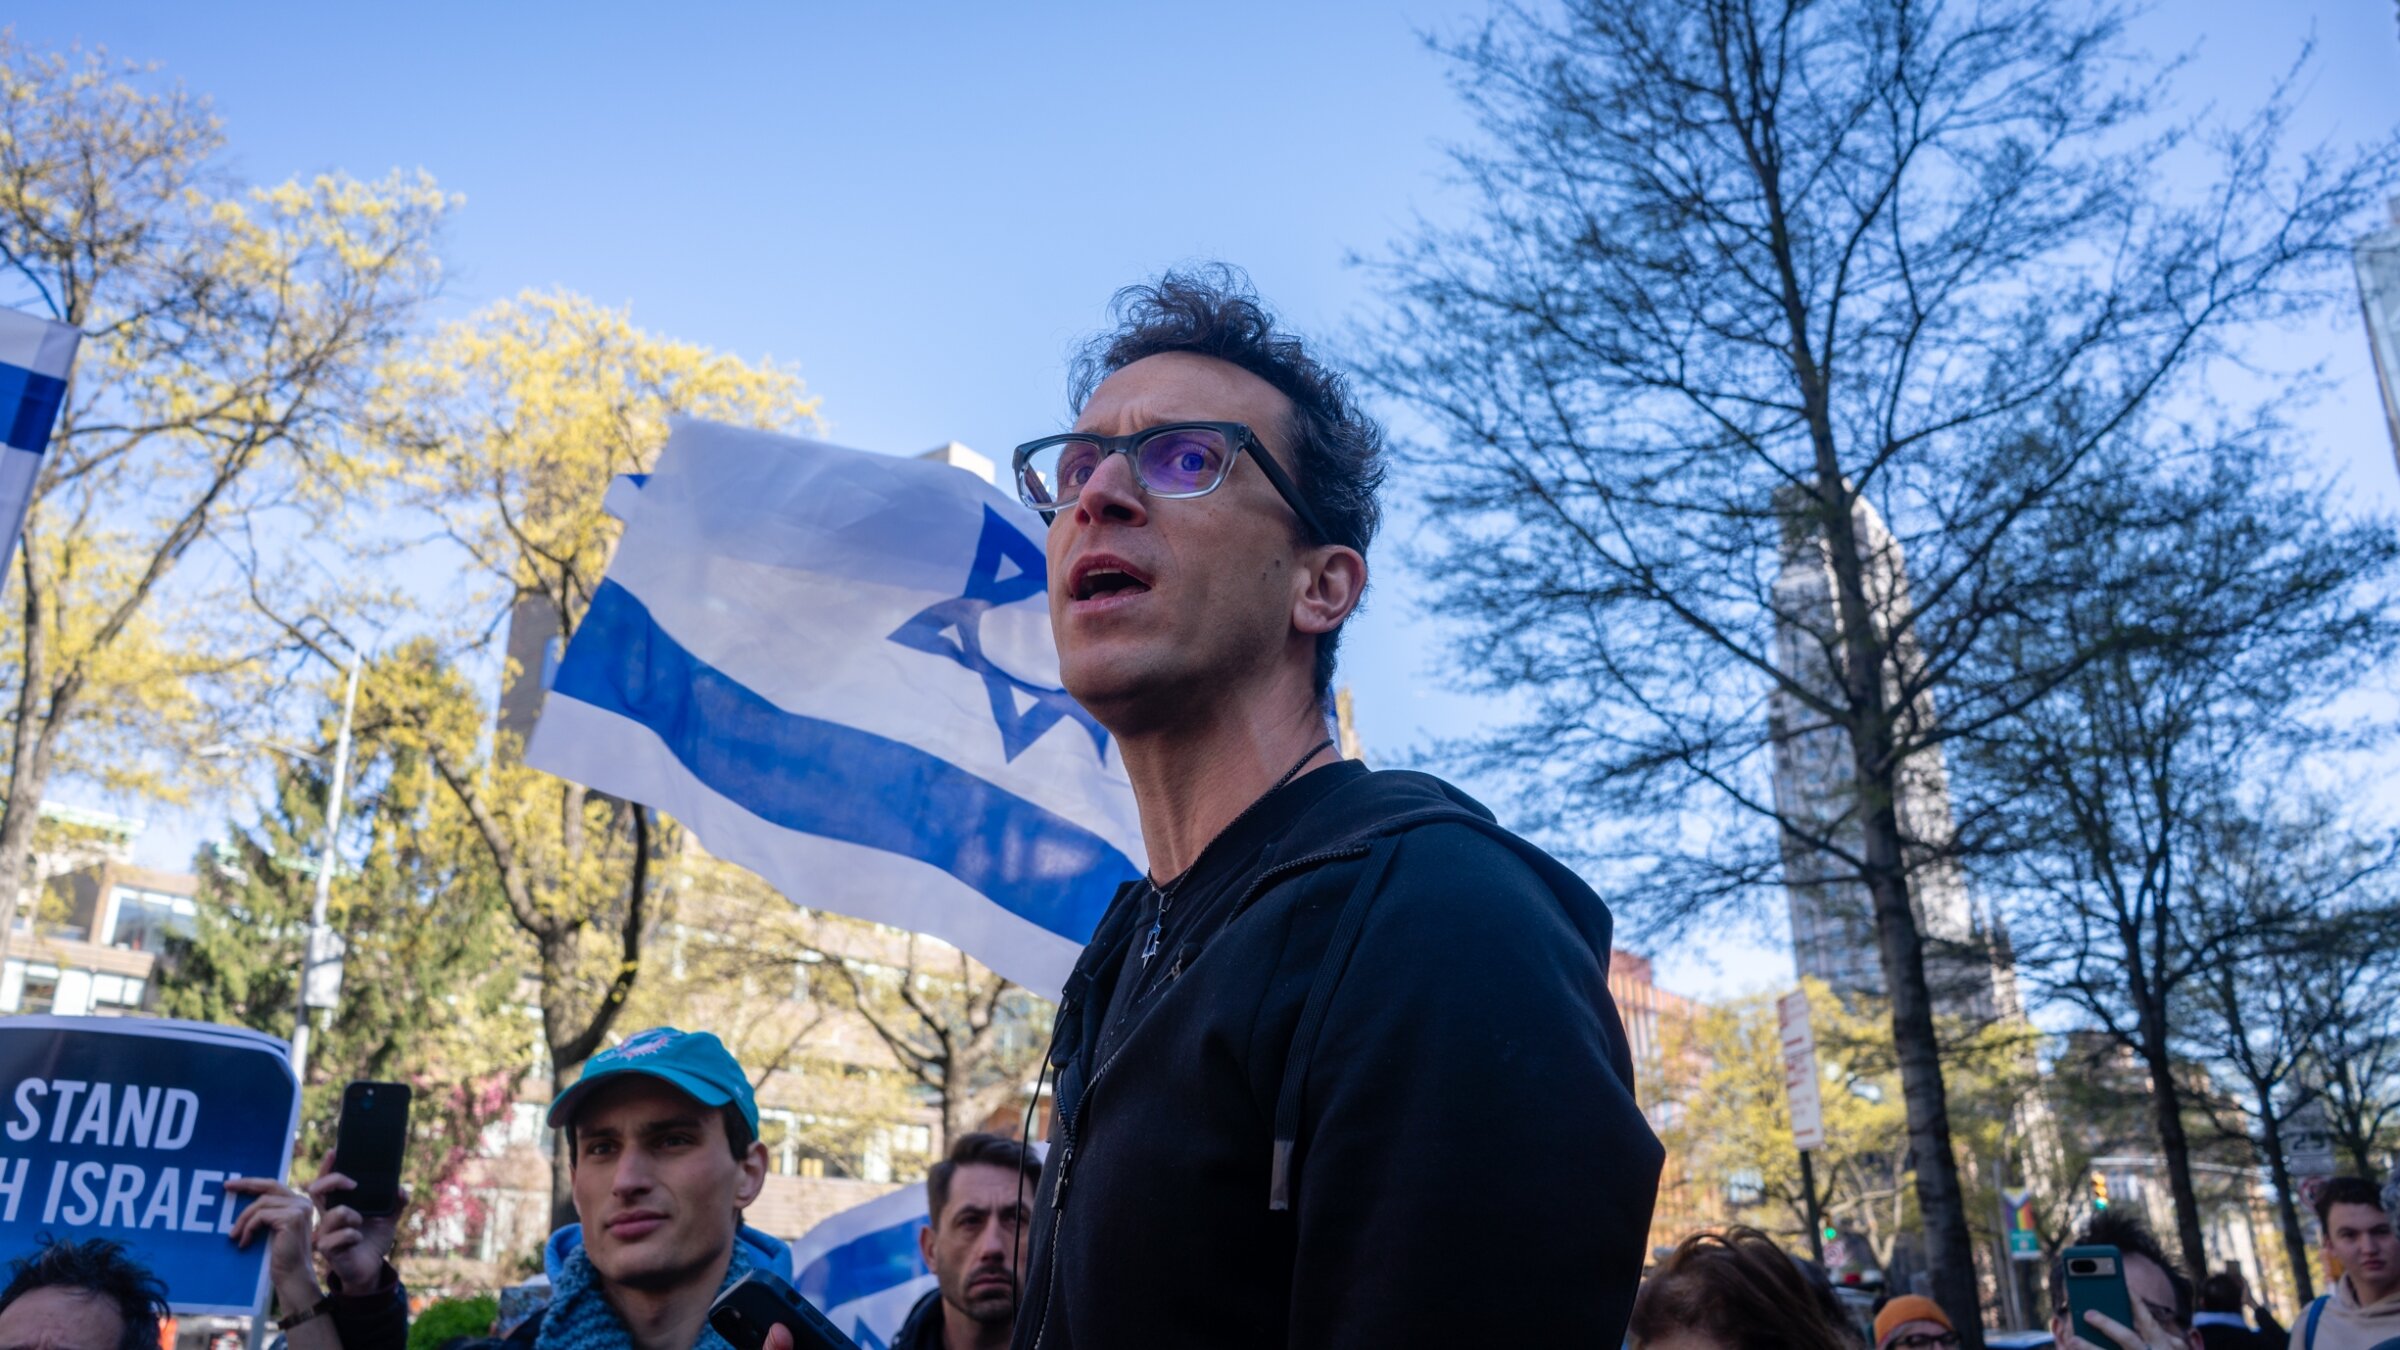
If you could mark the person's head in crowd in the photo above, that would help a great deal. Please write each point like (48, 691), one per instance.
(2225, 1292)
(1913, 1322)
(2151, 1279)
(2359, 1235)
(1212, 565)
(80, 1296)
(1734, 1290)
(976, 1200)
(662, 1141)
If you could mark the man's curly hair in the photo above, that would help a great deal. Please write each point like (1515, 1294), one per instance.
(1212, 310)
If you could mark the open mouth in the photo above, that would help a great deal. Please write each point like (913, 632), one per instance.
(1104, 578)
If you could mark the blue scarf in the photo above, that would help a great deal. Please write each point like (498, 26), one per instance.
(580, 1317)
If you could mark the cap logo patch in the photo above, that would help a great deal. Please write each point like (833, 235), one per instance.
(645, 1044)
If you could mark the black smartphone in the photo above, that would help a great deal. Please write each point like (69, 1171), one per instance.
(2096, 1283)
(368, 1145)
(758, 1301)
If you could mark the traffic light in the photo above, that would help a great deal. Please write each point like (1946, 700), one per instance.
(2099, 1190)
(1831, 1233)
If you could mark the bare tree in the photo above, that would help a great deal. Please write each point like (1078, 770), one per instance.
(2265, 1012)
(2223, 607)
(2357, 1062)
(1743, 271)
(965, 1035)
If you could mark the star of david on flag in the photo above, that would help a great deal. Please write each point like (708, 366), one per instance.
(35, 358)
(1008, 569)
(835, 668)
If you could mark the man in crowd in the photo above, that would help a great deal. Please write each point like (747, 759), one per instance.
(662, 1141)
(975, 1199)
(2221, 1324)
(80, 1296)
(1914, 1322)
(1343, 1071)
(2362, 1311)
(2161, 1295)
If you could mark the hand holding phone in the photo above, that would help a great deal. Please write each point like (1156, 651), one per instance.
(369, 1144)
(758, 1304)
(2096, 1284)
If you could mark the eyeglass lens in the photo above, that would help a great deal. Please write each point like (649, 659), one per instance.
(1177, 462)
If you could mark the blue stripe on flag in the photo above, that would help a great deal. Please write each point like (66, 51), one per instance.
(867, 1264)
(824, 778)
(29, 407)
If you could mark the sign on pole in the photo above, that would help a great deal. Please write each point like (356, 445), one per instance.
(2024, 1243)
(2308, 1141)
(128, 1128)
(1800, 1079)
(35, 356)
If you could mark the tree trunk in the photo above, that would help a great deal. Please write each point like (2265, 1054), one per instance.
(29, 759)
(2166, 1101)
(1941, 1198)
(1949, 1246)
(2287, 1211)
(562, 1157)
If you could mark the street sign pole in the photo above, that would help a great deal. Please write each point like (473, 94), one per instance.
(1816, 1219)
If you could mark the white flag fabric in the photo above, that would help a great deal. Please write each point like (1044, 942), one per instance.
(863, 1268)
(836, 669)
(35, 356)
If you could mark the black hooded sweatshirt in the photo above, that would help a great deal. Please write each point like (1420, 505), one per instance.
(1370, 1091)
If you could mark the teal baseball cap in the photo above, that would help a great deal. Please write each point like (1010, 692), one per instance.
(694, 1063)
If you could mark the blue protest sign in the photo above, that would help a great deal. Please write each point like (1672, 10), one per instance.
(128, 1128)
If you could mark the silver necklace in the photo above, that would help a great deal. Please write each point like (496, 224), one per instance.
(1166, 897)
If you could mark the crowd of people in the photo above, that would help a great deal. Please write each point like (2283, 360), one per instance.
(663, 1137)
(1342, 1071)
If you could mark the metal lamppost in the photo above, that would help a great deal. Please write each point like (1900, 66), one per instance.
(321, 967)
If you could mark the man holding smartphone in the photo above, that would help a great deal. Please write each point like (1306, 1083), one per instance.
(2160, 1296)
(1343, 1071)
(662, 1138)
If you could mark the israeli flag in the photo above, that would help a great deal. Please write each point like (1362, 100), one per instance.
(835, 668)
(863, 1268)
(35, 356)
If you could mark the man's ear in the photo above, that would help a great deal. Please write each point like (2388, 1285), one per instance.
(925, 1244)
(1330, 580)
(754, 1175)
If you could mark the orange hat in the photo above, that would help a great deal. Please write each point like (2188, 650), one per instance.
(1908, 1308)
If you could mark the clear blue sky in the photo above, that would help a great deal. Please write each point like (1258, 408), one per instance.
(924, 206)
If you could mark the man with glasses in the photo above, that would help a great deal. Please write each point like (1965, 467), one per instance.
(2161, 1295)
(1342, 1070)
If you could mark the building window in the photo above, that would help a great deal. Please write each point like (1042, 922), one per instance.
(116, 995)
(40, 991)
(141, 920)
(780, 1132)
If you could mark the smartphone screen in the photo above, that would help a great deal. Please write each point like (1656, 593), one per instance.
(2096, 1283)
(369, 1144)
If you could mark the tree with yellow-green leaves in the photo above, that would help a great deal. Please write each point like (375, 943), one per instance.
(507, 430)
(230, 336)
(1729, 1124)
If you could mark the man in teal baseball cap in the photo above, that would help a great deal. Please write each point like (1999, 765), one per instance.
(662, 1136)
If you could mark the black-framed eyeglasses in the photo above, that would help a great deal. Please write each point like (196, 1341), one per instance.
(1173, 459)
(1923, 1340)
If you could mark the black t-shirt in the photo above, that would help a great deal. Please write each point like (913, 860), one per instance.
(1207, 894)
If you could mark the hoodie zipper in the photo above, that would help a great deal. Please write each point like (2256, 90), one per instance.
(1071, 1124)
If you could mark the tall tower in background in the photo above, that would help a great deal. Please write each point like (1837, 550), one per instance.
(1816, 790)
(2378, 260)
